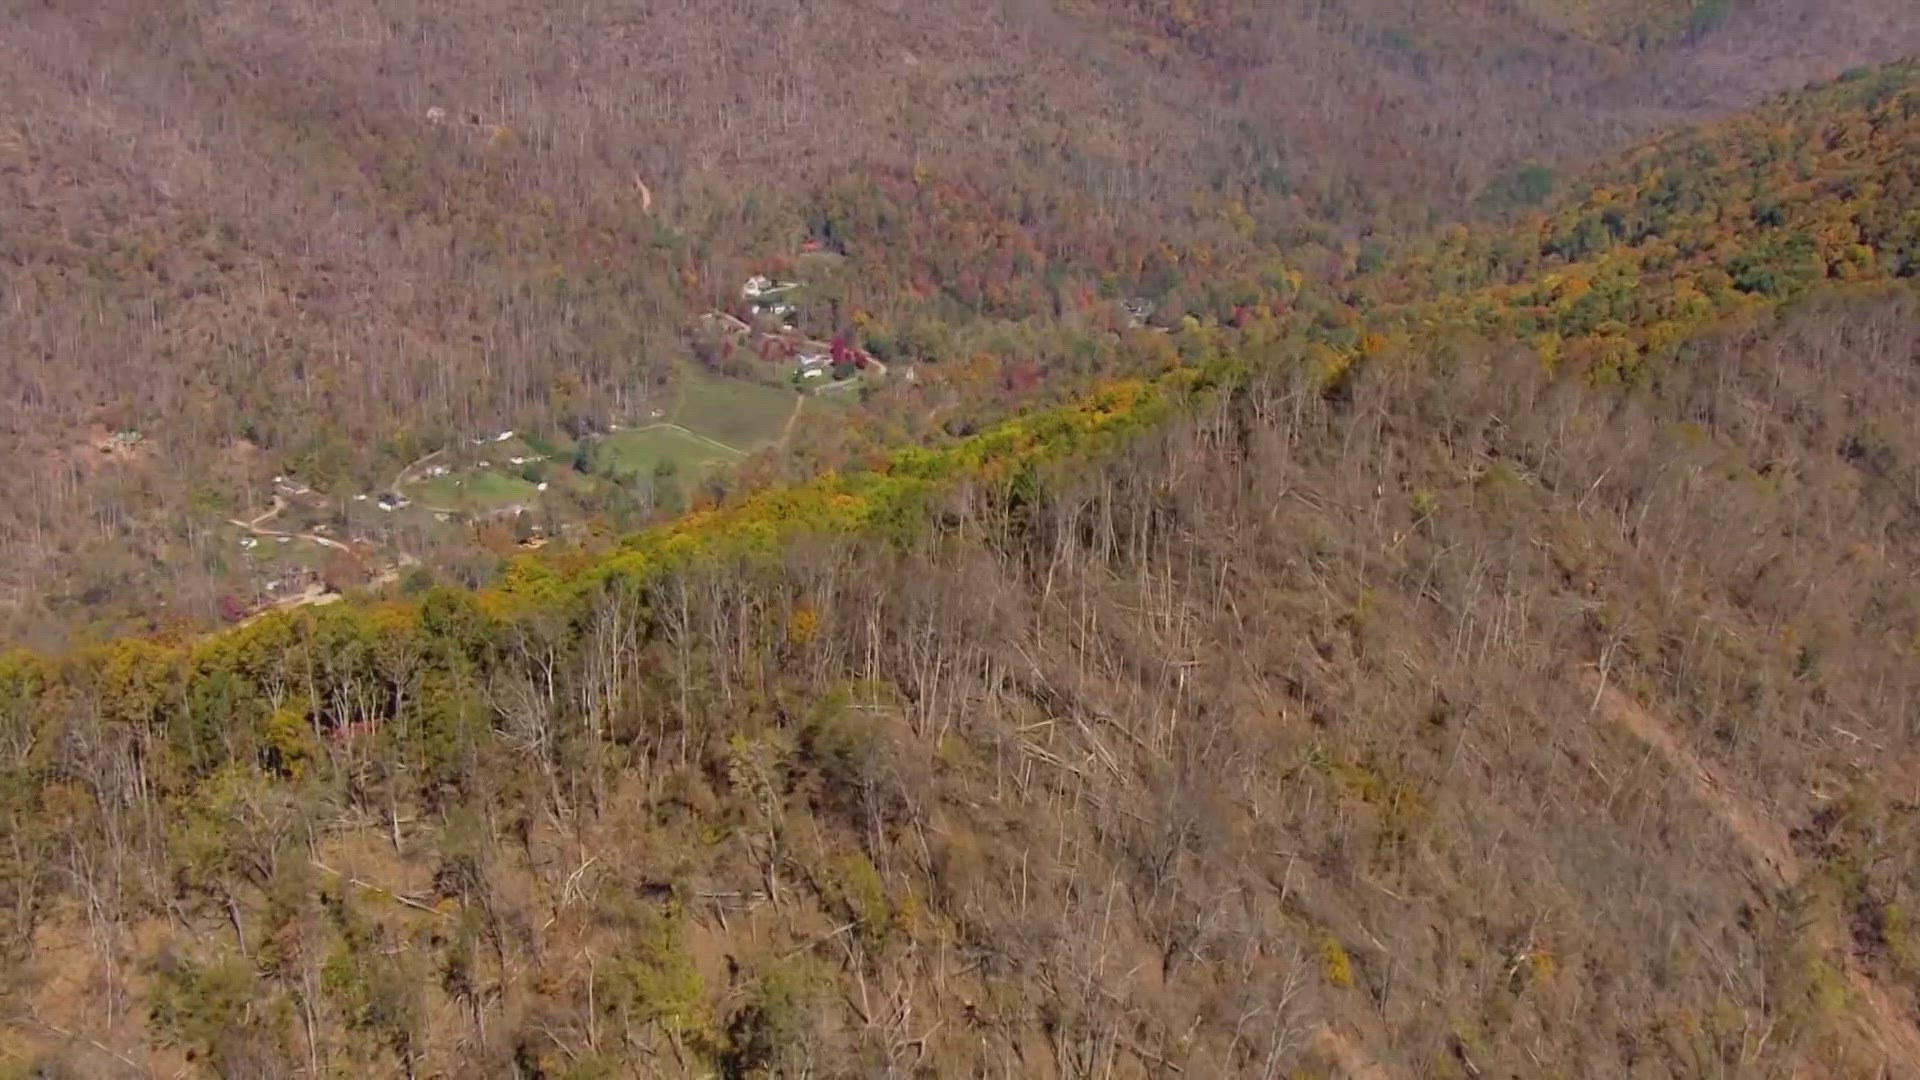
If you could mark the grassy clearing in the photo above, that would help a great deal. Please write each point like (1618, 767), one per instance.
(744, 415)
(641, 450)
(481, 489)
(499, 452)
(269, 559)
(272, 556)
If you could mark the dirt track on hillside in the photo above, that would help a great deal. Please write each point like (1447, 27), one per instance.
(257, 527)
(1765, 842)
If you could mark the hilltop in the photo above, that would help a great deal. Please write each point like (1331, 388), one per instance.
(1418, 669)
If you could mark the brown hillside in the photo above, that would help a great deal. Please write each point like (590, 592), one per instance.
(1464, 722)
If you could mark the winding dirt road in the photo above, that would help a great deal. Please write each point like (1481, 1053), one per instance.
(257, 527)
(405, 476)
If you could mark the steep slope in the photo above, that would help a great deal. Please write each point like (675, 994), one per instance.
(1366, 697)
(1264, 746)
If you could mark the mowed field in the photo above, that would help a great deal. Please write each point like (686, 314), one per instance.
(712, 423)
(641, 450)
(745, 416)
(480, 489)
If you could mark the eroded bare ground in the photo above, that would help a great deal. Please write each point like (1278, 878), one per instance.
(1766, 844)
(1348, 1059)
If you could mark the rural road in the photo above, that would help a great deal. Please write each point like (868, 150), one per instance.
(405, 476)
(280, 504)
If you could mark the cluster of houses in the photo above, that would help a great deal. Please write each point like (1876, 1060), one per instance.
(387, 500)
(292, 489)
(767, 297)
(812, 365)
(810, 361)
(839, 359)
(296, 579)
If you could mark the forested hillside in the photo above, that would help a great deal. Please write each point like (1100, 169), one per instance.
(1491, 655)
(325, 240)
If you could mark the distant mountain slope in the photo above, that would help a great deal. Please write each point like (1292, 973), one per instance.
(1815, 188)
(237, 230)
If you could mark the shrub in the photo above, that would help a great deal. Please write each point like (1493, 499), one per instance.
(656, 981)
(1335, 966)
(856, 886)
(773, 1029)
(199, 1007)
(842, 745)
